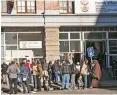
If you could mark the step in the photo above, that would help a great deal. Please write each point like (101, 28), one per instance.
(108, 83)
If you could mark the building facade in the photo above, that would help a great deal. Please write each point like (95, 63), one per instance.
(52, 29)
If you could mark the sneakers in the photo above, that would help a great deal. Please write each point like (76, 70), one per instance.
(85, 88)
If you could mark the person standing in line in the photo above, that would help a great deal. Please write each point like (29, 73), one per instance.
(96, 69)
(56, 71)
(4, 68)
(84, 72)
(24, 72)
(39, 75)
(27, 64)
(65, 70)
(34, 69)
(45, 68)
(74, 71)
(50, 72)
(13, 72)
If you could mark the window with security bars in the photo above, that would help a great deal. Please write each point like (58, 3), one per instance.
(66, 7)
(28, 6)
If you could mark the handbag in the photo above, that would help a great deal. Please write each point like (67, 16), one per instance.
(94, 76)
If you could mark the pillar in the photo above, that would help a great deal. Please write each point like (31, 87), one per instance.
(52, 43)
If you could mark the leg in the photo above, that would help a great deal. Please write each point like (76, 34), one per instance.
(56, 77)
(85, 80)
(67, 80)
(34, 80)
(63, 80)
(38, 83)
(23, 85)
(28, 87)
(90, 80)
(15, 85)
(11, 85)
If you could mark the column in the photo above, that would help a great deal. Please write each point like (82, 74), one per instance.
(52, 43)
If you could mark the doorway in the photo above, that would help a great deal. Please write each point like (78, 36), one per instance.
(99, 51)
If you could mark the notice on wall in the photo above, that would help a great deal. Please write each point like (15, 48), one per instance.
(30, 44)
(95, 6)
(106, 6)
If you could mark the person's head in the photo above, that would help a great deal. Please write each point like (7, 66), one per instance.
(34, 63)
(28, 60)
(4, 63)
(38, 62)
(86, 61)
(23, 63)
(50, 62)
(55, 61)
(12, 62)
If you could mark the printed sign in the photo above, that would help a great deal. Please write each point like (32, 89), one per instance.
(90, 51)
(30, 44)
(106, 6)
(95, 6)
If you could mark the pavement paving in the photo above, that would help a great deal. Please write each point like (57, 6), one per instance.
(88, 91)
(106, 87)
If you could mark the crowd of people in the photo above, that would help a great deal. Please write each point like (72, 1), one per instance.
(41, 74)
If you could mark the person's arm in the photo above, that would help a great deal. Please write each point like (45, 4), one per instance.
(8, 70)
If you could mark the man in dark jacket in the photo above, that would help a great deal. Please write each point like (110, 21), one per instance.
(13, 72)
(50, 72)
(74, 71)
(65, 74)
(4, 67)
(24, 77)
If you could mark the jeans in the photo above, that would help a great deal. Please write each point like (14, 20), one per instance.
(65, 80)
(85, 80)
(73, 80)
(56, 76)
(27, 85)
(13, 81)
(35, 81)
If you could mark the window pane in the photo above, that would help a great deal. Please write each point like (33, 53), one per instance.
(32, 50)
(113, 47)
(113, 35)
(63, 36)
(11, 51)
(19, 3)
(74, 36)
(2, 38)
(28, 3)
(11, 38)
(3, 6)
(2, 51)
(23, 3)
(33, 3)
(2, 60)
(94, 35)
(75, 46)
(64, 46)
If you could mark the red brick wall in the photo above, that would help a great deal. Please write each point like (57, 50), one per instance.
(49, 5)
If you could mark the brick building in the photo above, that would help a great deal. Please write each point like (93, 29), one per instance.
(52, 29)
